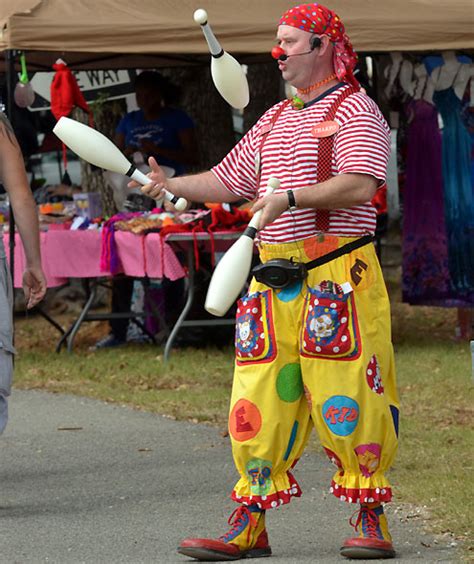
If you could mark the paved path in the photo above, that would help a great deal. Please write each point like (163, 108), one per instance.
(127, 486)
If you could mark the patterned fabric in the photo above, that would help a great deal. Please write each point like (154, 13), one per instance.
(109, 257)
(317, 19)
(290, 153)
(426, 276)
(458, 193)
(325, 370)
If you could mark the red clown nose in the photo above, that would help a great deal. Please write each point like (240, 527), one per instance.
(277, 52)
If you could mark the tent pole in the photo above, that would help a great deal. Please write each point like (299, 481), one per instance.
(10, 73)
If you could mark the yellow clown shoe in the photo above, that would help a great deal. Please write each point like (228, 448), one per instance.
(374, 540)
(247, 538)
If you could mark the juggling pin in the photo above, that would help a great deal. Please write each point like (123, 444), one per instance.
(227, 74)
(98, 150)
(233, 269)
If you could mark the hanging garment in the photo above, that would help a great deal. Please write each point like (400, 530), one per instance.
(426, 278)
(458, 193)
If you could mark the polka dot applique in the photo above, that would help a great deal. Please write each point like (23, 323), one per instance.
(374, 376)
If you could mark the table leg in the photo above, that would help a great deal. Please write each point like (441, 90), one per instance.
(49, 319)
(187, 305)
(75, 328)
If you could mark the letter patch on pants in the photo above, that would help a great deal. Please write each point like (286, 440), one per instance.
(254, 332)
(330, 328)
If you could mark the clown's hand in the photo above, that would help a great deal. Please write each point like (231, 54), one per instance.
(157, 181)
(272, 206)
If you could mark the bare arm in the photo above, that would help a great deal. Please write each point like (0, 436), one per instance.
(14, 179)
(342, 191)
(202, 187)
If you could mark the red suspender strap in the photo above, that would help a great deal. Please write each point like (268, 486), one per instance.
(325, 151)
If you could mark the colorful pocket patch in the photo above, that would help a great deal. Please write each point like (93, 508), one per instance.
(330, 329)
(254, 330)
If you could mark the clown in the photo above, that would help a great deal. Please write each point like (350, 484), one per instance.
(329, 147)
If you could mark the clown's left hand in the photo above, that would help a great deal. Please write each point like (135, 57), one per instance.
(272, 206)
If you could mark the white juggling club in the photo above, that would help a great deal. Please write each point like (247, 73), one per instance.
(227, 74)
(98, 150)
(233, 269)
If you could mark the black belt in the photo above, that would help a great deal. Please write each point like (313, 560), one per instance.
(280, 273)
(344, 250)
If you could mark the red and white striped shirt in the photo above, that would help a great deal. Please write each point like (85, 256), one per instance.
(290, 153)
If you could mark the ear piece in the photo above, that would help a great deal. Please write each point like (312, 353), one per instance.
(314, 42)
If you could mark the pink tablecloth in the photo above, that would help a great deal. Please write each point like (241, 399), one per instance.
(76, 254)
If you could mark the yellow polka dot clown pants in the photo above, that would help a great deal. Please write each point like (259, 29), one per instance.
(316, 353)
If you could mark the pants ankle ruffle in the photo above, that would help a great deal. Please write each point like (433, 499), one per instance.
(280, 490)
(355, 488)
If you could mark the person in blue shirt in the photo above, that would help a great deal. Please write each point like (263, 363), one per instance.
(157, 128)
(160, 130)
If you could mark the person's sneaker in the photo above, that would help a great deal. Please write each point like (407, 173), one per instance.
(107, 342)
(374, 540)
(247, 538)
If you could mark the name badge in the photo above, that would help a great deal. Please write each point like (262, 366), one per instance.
(324, 129)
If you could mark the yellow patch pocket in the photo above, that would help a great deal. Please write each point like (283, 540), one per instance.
(254, 329)
(330, 327)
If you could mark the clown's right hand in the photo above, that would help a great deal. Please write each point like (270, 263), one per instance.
(157, 181)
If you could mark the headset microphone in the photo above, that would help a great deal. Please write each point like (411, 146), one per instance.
(280, 55)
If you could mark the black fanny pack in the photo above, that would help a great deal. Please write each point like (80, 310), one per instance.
(280, 273)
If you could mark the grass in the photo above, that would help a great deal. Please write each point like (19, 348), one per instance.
(434, 464)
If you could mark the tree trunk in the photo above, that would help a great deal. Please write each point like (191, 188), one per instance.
(211, 114)
(106, 117)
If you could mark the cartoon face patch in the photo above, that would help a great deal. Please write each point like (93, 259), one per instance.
(374, 376)
(246, 334)
(254, 333)
(323, 326)
(259, 472)
(369, 458)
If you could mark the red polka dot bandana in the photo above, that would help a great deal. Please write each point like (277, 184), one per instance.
(315, 18)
